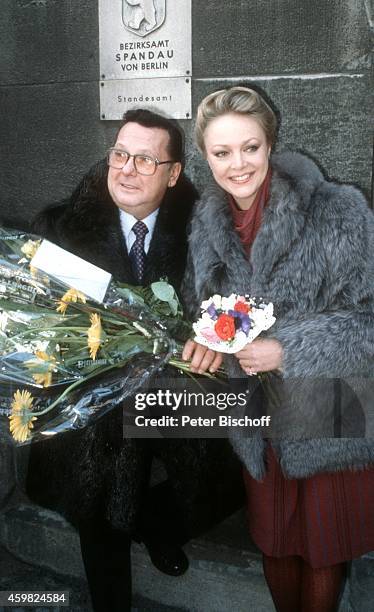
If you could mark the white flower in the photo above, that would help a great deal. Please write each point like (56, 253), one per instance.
(217, 300)
(206, 303)
(196, 328)
(258, 317)
(263, 317)
(269, 309)
(229, 302)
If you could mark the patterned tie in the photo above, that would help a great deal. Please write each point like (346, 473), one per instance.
(137, 253)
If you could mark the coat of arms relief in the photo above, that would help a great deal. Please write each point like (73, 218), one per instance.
(143, 16)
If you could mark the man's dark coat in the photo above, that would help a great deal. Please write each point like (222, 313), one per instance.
(96, 472)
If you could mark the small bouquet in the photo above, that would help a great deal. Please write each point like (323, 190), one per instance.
(227, 324)
(65, 358)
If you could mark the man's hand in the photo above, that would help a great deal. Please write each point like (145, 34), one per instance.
(261, 355)
(202, 358)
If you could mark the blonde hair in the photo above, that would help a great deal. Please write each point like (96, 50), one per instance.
(240, 100)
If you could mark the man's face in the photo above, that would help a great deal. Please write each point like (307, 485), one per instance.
(136, 193)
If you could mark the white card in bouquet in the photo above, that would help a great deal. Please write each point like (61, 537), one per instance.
(72, 270)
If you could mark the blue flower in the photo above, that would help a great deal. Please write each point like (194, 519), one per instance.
(233, 313)
(212, 312)
(246, 322)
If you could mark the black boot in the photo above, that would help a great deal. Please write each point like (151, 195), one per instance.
(161, 530)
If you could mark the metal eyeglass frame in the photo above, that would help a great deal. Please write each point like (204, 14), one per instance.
(156, 161)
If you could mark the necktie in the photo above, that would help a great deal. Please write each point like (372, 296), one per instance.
(137, 253)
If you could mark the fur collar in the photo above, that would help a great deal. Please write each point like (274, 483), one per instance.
(295, 178)
(222, 259)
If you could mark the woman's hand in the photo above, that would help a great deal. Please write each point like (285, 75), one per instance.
(261, 355)
(201, 357)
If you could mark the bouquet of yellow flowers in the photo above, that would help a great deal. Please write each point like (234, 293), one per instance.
(66, 359)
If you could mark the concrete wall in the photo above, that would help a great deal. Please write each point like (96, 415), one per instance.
(313, 58)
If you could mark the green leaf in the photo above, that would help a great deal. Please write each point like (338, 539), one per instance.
(163, 291)
(173, 303)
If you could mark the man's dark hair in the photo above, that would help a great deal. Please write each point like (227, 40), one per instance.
(149, 119)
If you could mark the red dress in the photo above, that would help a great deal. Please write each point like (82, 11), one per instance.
(325, 519)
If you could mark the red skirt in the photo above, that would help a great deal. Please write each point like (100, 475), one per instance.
(325, 519)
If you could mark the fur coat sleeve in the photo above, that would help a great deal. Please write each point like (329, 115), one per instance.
(337, 338)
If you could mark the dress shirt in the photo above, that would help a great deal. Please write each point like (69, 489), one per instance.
(127, 223)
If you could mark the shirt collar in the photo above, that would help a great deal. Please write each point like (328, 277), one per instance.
(128, 221)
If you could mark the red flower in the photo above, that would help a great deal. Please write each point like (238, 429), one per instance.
(225, 327)
(242, 307)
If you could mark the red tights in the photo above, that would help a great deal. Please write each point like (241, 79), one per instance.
(295, 586)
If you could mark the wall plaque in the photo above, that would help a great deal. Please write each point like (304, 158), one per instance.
(145, 56)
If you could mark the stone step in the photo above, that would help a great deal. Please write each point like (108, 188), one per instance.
(225, 571)
(15, 575)
(221, 576)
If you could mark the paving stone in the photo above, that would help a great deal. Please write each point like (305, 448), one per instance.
(40, 550)
(361, 594)
(220, 575)
(17, 575)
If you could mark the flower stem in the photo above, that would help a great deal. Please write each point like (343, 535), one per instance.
(70, 388)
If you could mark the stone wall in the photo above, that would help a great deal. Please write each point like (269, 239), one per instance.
(313, 58)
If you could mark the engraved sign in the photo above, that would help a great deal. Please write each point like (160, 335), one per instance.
(145, 53)
(172, 94)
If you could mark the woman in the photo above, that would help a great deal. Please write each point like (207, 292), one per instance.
(271, 226)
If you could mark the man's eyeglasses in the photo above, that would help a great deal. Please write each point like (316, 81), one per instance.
(144, 164)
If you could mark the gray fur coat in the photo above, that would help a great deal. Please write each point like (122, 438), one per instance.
(313, 257)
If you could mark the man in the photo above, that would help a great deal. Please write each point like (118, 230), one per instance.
(129, 216)
(97, 222)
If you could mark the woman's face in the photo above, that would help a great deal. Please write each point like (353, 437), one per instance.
(238, 155)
